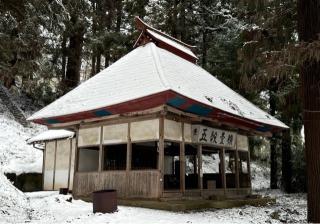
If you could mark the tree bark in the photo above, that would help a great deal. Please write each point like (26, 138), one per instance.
(174, 19)
(182, 23)
(119, 15)
(309, 29)
(204, 48)
(74, 55)
(273, 147)
(98, 62)
(93, 63)
(286, 177)
(64, 56)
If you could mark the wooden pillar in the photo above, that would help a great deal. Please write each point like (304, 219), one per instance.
(128, 159)
(249, 170)
(161, 155)
(182, 163)
(237, 169)
(200, 179)
(129, 149)
(223, 170)
(54, 164)
(44, 163)
(76, 161)
(100, 151)
(69, 167)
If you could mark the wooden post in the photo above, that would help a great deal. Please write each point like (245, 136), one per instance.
(182, 163)
(200, 179)
(129, 150)
(128, 160)
(54, 164)
(101, 151)
(161, 155)
(249, 171)
(44, 163)
(237, 168)
(69, 169)
(223, 170)
(76, 161)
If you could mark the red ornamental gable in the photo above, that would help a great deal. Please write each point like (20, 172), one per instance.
(162, 40)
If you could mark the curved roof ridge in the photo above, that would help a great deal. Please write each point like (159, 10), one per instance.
(158, 65)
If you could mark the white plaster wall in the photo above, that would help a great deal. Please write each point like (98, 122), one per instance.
(62, 164)
(242, 143)
(172, 130)
(88, 160)
(117, 133)
(144, 130)
(49, 166)
(73, 152)
(187, 132)
(89, 136)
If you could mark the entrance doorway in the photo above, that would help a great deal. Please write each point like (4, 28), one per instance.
(171, 165)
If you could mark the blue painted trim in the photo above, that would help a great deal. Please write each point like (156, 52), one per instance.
(101, 113)
(176, 101)
(199, 110)
(264, 128)
(52, 121)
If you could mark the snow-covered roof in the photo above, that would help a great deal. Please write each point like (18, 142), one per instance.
(51, 135)
(171, 43)
(148, 70)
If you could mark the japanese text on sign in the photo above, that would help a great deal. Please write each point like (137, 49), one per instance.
(212, 136)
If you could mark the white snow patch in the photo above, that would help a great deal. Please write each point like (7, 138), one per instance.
(16, 156)
(260, 176)
(51, 134)
(14, 207)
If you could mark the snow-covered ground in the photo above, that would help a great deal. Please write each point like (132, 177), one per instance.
(13, 203)
(50, 207)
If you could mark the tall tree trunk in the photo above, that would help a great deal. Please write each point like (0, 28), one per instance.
(119, 15)
(204, 48)
(94, 31)
(174, 19)
(98, 62)
(273, 148)
(286, 167)
(106, 59)
(182, 19)
(74, 55)
(93, 63)
(64, 56)
(309, 29)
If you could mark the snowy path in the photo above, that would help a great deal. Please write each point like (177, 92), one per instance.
(49, 207)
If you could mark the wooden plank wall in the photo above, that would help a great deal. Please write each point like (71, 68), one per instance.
(133, 184)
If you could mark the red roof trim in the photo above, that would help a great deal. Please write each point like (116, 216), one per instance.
(153, 101)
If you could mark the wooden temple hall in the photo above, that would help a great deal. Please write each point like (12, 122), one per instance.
(152, 125)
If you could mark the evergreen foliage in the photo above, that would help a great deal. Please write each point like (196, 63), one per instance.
(47, 47)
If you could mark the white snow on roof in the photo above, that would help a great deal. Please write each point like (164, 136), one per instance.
(133, 76)
(148, 70)
(50, 135)
(172, 43)
(194, 82)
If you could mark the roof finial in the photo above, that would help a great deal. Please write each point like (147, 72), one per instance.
(162, 40)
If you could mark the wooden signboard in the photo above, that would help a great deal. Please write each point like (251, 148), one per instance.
(212, 136)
